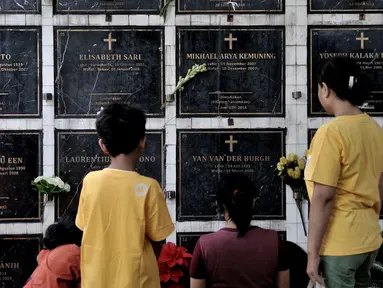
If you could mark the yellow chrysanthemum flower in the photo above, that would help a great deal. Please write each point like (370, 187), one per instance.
(290, 172)
(280, 167)
(301, 163)
(296, 174)
(292, 157)
(283, 160)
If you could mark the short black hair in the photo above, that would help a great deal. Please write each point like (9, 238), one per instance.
(63, 232)
(236, 195)
(345, 78)
(121, 128)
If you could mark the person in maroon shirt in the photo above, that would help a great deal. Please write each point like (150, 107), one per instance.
(239, 256)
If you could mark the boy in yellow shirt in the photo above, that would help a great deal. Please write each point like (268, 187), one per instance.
(122, 213)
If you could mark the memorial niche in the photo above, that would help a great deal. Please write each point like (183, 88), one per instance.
(20, 72)
(206, 155)
(18, 261)
(245, 71)
(105, 6)
(20, 7)
(78, 153)
(223, 6)
(99, 66)
(345, 6)
(360, 43)
(20, 164)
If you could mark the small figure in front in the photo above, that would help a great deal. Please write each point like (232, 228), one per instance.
(240, 255)
(59, 262)
(122, 213)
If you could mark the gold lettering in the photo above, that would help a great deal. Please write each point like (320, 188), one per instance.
(5, 56)
(231, 158)
(9, 265)
(110, 57)
(15, 160)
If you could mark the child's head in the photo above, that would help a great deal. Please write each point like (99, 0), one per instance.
(121, 130)
(341, 79)
(235, 198)
(63, 232)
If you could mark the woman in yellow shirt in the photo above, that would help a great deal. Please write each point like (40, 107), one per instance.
(343, 177)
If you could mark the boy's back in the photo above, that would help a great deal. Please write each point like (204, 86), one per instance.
(120, 212)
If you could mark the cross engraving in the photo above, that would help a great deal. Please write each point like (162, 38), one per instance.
(231, 142)
(230, 39)
(361, 39)
(110, 40)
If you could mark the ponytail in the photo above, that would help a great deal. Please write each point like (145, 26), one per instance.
(345, 78)
(236, 197)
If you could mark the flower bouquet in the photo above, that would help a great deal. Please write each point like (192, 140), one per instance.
(49, 186)
(291, 170)
(173, 265)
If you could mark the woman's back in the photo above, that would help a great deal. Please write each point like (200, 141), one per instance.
(345, 153)
(58, 268)
(225, 260)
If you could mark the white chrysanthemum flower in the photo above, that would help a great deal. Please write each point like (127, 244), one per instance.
(51, 181)
(59, 183)
(67, 187)
(38, 179)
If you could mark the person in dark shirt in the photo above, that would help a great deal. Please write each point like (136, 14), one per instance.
(239, 255)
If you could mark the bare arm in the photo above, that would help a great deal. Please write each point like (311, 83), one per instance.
(197, 283)
(320, 212)
(283, 279)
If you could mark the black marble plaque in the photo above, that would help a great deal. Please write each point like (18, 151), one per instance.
(311, 133)
(245, 71)
(20, 6)
(20, 164)
(105, 6)
(345, 6)
(99, 66)
(360, 43)
(189, 239)
(205, 155)
(224, 6)
(78, 153)
(20, 72)
(18, 259)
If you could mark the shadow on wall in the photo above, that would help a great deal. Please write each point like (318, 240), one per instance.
(298, 264)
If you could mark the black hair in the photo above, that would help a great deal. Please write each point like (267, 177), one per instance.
(121, 128)
(63, 232)
(236, 196)
(345, 78)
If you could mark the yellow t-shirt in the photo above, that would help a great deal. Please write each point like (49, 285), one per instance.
(120, 212)
(347, 153)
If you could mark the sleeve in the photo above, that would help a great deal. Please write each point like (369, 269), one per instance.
(81, 218)
(197, 267)
(75, 269)
(324, 160)
(159, 224)
(283, 258)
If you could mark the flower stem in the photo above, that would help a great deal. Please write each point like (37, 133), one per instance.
(299, 206)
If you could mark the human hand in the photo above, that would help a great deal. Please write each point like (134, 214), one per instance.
(313, 269)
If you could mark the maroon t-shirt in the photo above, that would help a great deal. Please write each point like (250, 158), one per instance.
(252, 261)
